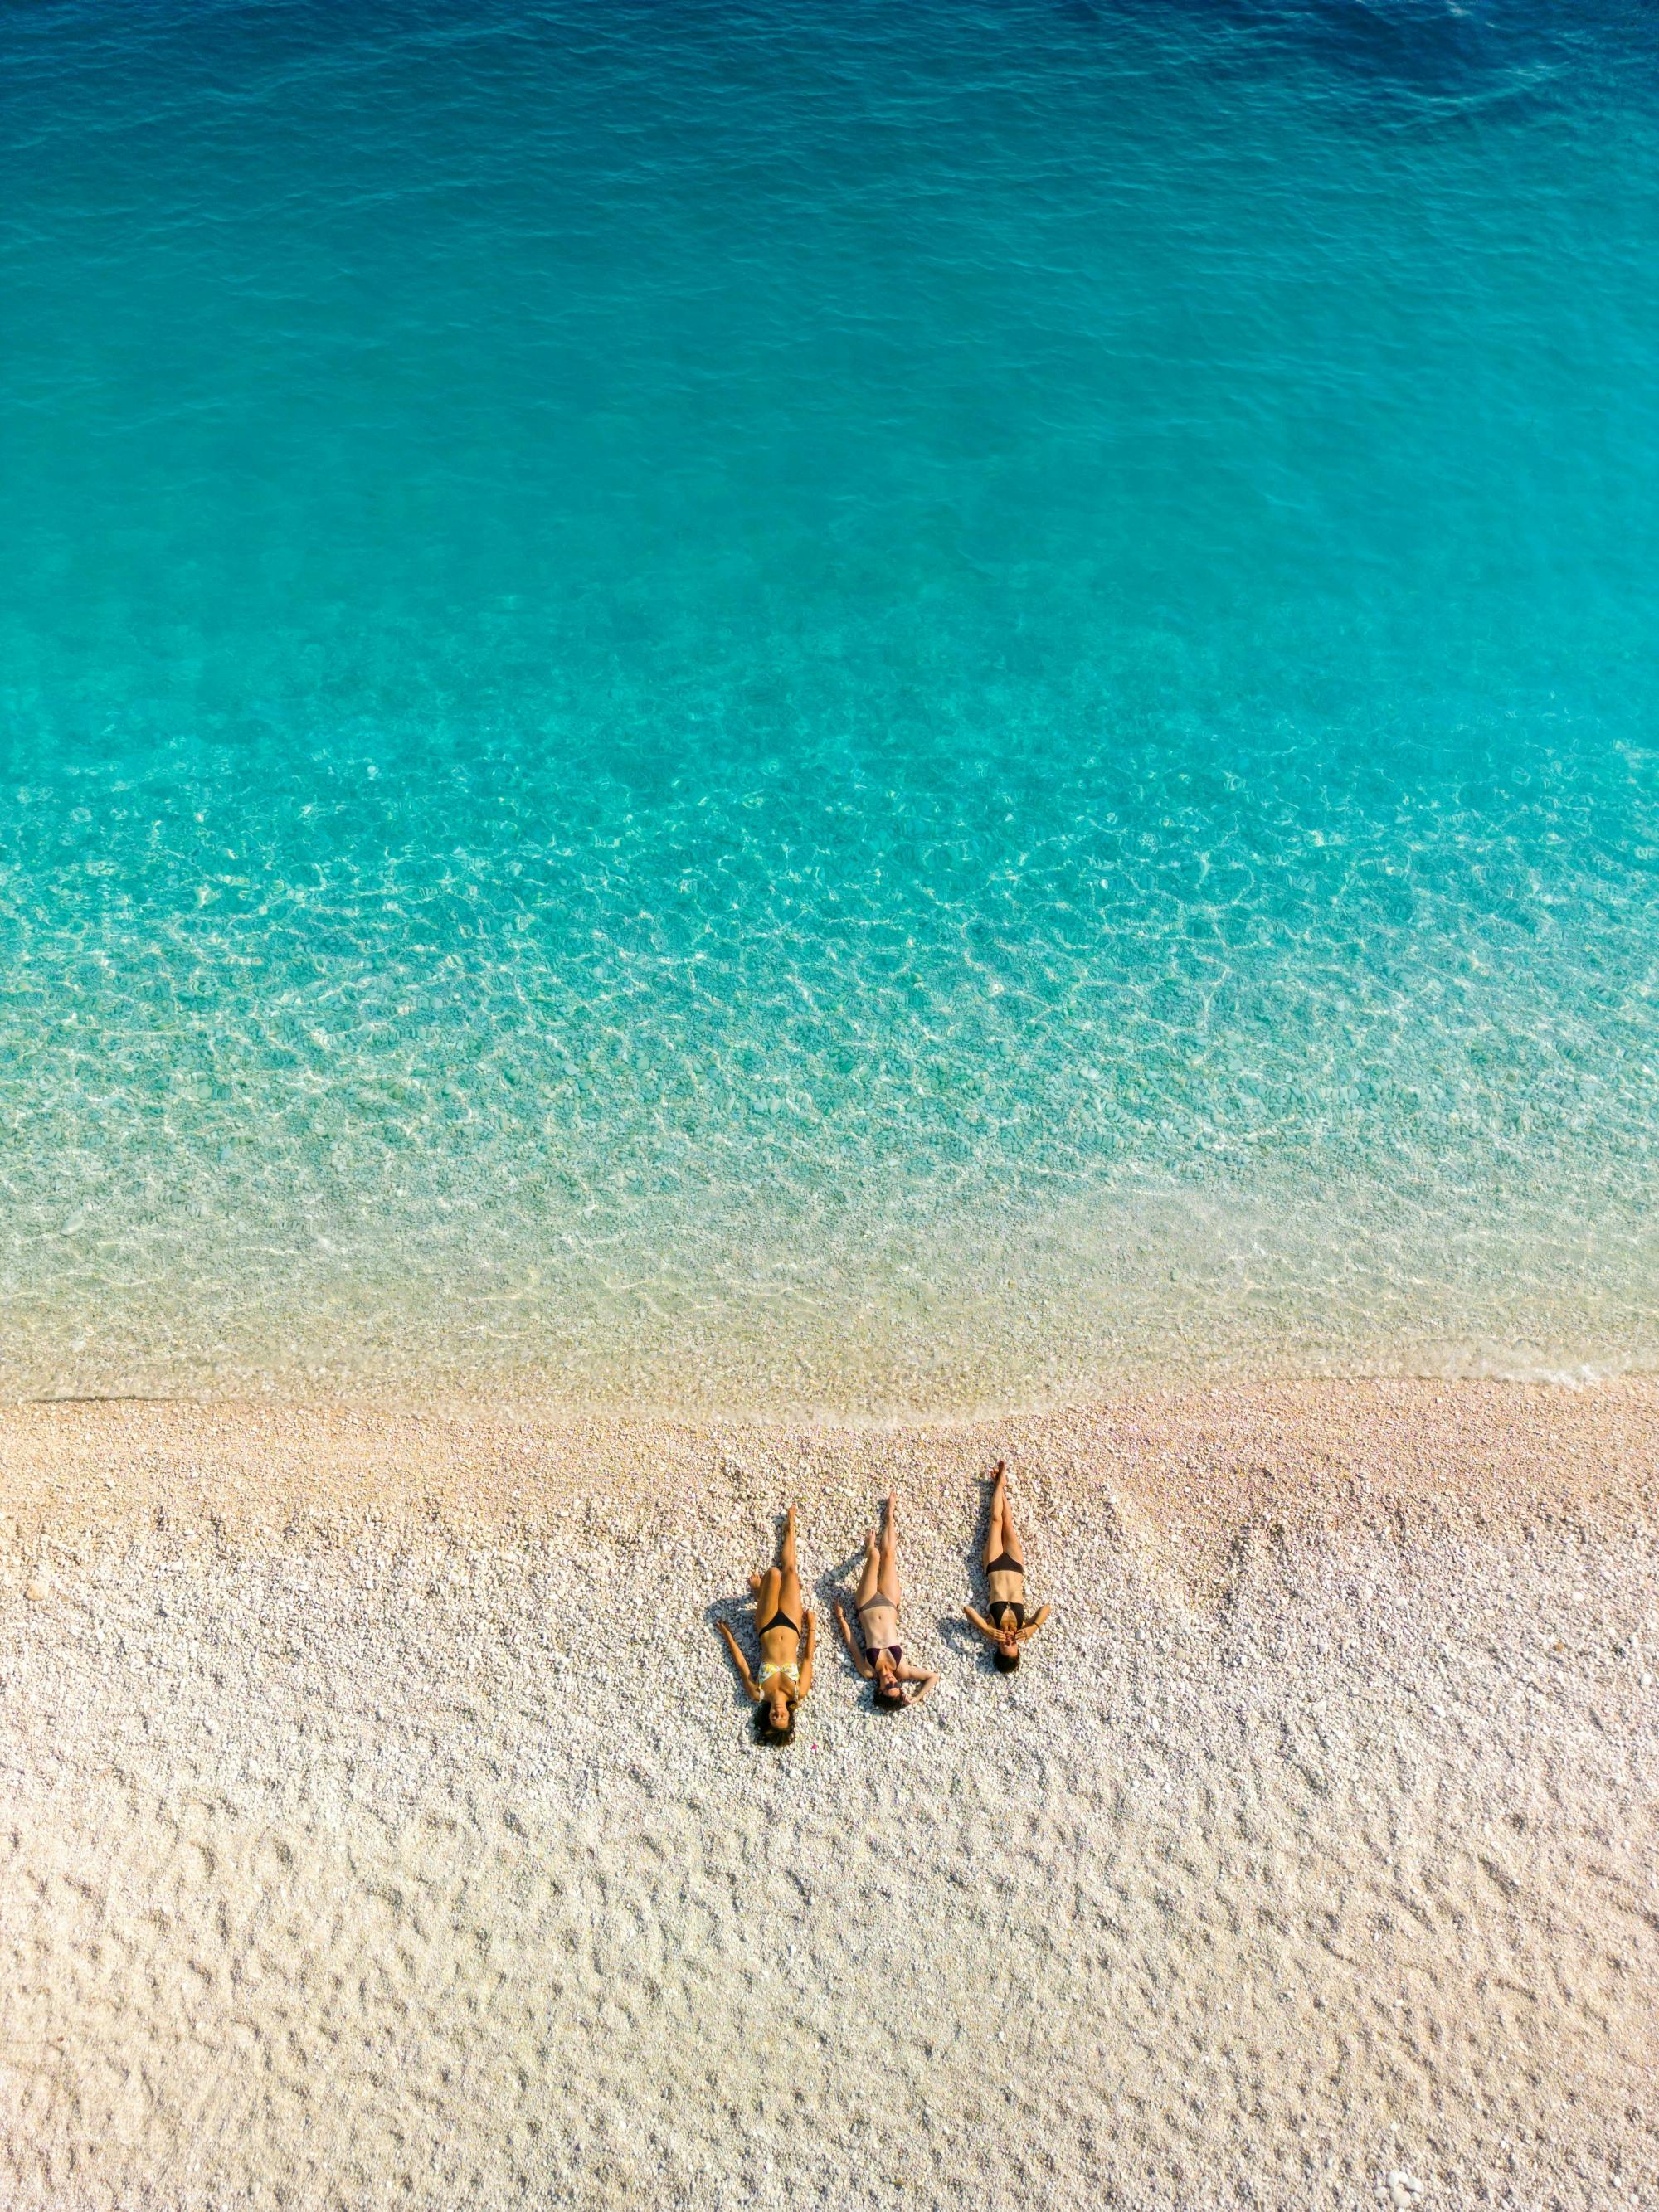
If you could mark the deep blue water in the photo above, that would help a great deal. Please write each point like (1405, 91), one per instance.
(867, 704)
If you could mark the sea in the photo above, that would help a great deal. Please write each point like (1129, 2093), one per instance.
(874, 706)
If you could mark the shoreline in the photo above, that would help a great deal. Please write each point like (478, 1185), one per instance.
(1321, 1452)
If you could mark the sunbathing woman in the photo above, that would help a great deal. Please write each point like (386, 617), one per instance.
(786, 1673)
(1005, 1577)
(877, 1652)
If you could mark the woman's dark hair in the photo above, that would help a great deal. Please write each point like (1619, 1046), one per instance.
(893, 1700)
(765, 1732)
(1006, 1661)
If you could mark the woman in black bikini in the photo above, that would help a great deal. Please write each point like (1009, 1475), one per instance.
(1004, 1578)
(786, 1674)
(877, 1652)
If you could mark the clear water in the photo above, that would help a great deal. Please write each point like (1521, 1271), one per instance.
(862, 705)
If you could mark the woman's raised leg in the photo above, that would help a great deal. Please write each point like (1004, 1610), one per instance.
(888, 1581)
(1001, 1537)
(789, 1582)
(994, 1521)
(871, 1574)
(1011, 1547)
(768, 1595)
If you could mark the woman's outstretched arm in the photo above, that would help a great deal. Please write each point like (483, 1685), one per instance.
(859, 1659)
(809, 1622)
(739, 1662)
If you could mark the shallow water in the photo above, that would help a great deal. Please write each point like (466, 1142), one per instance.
(875, 707)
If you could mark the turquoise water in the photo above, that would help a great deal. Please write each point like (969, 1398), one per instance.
(834, 703)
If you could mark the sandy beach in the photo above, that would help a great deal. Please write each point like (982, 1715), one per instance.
(383, 1825)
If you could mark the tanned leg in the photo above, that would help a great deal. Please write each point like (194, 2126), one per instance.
(869, 1578)
(999, 1507)
(766, 1599)
(888, 1579)
(789, 1586)
(1010, 1538)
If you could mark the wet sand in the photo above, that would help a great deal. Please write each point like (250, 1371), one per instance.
(383, 1825)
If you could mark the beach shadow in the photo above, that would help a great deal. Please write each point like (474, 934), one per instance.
(963, 1638)
(973, 1558)
(736, 1613)
(839, 1583)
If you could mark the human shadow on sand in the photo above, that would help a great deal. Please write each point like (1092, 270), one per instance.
(736, 1613)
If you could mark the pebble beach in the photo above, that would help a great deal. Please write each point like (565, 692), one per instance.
(385, 1825)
